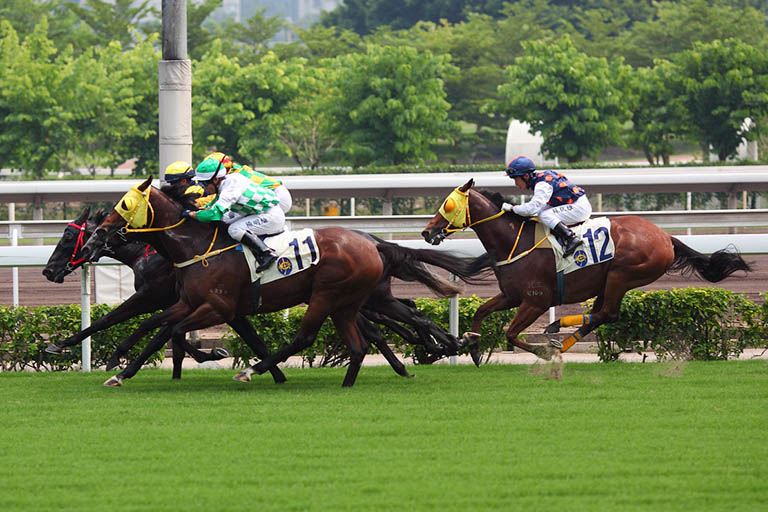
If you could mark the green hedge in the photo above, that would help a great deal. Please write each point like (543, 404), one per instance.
(26, 331)
(690, 323)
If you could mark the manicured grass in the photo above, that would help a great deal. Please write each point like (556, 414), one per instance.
(604, 437)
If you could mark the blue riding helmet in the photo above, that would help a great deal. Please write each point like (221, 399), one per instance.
(521, 166)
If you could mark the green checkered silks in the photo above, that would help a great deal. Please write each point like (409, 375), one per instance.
(254, 200)
(257, 177)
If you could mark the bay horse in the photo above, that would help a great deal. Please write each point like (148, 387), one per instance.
(217, 285)
(643, 253)
(155, 286)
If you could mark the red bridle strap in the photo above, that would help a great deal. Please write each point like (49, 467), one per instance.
(78, 244)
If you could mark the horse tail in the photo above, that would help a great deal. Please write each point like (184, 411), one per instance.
(409, 265)
(714, 268)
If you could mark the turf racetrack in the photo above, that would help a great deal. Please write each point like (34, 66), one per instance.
(604, 437)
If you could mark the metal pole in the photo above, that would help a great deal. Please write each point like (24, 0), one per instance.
(85, 314)
(15, 270)
(453, 318)
(174, 88)
(688, 206)
(352, 206)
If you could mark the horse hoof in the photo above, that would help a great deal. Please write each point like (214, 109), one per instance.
(53, 348)
(113, 382)
(220, 352)
(555, 343)
(242, 377)
(470, 336)
(545, 353)
(476, 356)
(553, 328)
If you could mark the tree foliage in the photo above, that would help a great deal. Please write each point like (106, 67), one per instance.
(721, 84)
(390, 105)
(577, 102)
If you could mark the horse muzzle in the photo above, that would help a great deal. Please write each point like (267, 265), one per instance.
(434, 237)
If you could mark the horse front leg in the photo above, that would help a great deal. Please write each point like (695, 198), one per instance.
(470, 339)
(171, 315)
(346, 326)
(526, 314)
(137, 304)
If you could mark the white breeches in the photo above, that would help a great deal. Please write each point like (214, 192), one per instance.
(286, 201)
(265, 223)
(568, 213)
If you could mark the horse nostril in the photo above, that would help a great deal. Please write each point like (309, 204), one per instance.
(425, 234)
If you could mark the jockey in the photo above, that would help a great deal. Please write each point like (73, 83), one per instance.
(556, 201)
(248, 209)
(180, 176)
(282, 193)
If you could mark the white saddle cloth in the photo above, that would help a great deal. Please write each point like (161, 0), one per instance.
(297, 251)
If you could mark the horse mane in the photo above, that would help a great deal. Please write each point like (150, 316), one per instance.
(187, 201)
(497, 199)
(98, 216)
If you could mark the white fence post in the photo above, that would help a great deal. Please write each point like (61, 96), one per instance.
(453, 318)
(15, 270)
(85, 314)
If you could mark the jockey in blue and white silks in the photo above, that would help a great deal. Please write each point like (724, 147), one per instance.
(556, 201)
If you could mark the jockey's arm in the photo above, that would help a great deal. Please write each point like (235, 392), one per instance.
(542, 192)
(215, 212)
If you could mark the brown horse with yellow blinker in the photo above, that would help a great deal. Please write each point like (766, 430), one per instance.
(217, 287)
(643, 253)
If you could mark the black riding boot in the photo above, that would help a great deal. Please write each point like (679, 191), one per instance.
(264, 255)
(567, 239)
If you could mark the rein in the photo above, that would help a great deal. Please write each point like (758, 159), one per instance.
(523, 254)
(203, 258)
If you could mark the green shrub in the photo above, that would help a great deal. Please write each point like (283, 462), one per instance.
(691, 323)
(26, 331)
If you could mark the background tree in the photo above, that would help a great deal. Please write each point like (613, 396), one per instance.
(391, 105)
(199, 35)
(722, 83)
(658, 115)
(307, 134)
(237, 109)
(54, 103)
(116, 20)
(576, 101)
(677, 25)
(248, 41)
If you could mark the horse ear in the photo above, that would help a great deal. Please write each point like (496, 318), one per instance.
(83, 215)
(468, 185)
(146, 183)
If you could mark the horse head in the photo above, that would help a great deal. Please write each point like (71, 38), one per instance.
(134, 209)
(67, 255)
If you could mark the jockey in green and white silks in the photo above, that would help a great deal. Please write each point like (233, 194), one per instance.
(247, 209)
(275, 185)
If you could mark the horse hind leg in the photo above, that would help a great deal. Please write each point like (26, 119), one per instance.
(370, 332)
(345, 321)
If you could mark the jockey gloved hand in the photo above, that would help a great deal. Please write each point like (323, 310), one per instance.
(506, 207)
(186, 213)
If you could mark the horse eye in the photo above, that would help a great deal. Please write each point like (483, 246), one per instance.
(67, 236)
(449, 205)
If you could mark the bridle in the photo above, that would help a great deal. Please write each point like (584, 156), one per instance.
(455, 209)
(79, 242)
